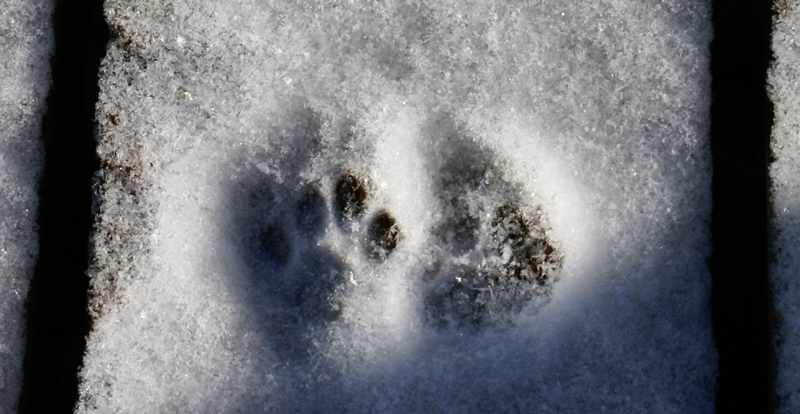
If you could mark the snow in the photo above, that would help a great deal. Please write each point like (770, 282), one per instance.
(26, 42)
(784, 173)
(403, 207)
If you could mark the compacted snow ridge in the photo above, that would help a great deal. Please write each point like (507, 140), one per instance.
(785, 177)
(26, 44)
(402, 207)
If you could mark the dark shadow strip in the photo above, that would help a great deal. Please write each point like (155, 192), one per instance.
(58, 321)
(741, 120)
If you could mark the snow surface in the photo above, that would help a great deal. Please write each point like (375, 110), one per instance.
(785, 176)
(26, 43)
(442, 206)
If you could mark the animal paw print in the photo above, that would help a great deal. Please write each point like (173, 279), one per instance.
(492, 252)
(495, 256)
(350, 204)
(282, 209)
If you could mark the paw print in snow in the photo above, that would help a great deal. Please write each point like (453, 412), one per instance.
(492, 254)
(350, 203)
(495, 256)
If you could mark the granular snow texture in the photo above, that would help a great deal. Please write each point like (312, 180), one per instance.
(26, 43)
(785, 176)
(438, 206)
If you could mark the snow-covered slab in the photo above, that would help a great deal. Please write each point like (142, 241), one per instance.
(26, 43)
(785, 177)
(441, 206)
